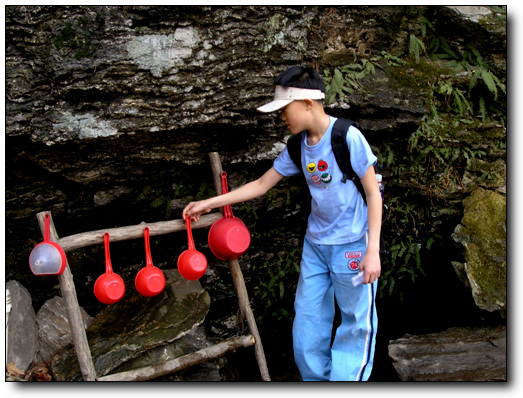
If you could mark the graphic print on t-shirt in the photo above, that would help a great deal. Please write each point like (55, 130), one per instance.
(319, 176)
(326, 178)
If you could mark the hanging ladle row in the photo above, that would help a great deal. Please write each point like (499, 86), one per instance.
(150, 280)
(228, 239)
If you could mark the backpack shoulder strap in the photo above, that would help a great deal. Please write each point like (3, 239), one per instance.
(340, 147)
(294, 148)
(342, 153)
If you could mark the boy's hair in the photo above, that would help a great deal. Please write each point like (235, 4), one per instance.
(301, 77)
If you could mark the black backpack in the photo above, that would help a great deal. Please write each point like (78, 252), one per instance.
(342, 155)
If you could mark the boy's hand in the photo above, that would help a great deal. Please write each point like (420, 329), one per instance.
(371, 265)
(196, 209)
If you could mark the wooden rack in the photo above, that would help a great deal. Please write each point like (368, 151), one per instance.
(79, 336)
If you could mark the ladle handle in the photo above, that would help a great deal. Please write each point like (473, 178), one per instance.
(108, 266)
(148, 257)
(227, 209)
(189, 234)
(46, 228)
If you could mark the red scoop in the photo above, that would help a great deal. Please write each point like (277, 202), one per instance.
(109, 287)
(229, 238)
(191, 264)
(150, 280)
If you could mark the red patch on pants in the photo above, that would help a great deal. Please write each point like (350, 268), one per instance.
(353, 254)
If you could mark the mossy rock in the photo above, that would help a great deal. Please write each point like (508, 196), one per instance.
(483, 234)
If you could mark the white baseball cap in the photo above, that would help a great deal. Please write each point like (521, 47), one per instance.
(284, 95)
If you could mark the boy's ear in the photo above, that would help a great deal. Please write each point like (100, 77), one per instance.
(308, 103)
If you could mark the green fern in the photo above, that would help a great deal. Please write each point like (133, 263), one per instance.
(335, 87)
(278, 272)
(345, 80)
(416, 48)
(390, 60)
(460, 103)
(437, 44)
(424, 24)
(490, 81)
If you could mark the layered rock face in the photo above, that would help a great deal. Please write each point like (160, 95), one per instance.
(111, 112)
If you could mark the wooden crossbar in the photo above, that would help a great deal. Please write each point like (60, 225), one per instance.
(84, 239)
(183, 362)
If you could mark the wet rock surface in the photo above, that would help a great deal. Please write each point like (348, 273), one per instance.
(54, 331)
(457, 354)
(135, 324)
(22, 331)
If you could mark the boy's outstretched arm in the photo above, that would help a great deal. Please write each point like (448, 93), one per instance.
(244, 193)
(371, 263)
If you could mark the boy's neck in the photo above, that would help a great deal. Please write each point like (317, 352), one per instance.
(316, 132)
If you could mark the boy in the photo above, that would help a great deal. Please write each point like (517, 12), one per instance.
(342, 235)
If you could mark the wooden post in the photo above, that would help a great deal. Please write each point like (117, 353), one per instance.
(239, 282)
(74, 315)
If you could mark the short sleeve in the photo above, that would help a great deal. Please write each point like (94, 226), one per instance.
(284, 165)
(361, 155)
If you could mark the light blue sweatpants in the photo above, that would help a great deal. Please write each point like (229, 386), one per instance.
(326, 272)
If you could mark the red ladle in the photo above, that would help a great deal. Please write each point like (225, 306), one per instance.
(191, 264)
(150, 281)
(229, 238)
(109, 287)
(47, 258)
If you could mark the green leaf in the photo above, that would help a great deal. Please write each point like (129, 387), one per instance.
(158, 202)
(416, 46)
(489, 81)
(445, 47)
(499, 83)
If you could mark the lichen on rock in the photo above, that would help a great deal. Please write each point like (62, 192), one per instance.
(160, 53)
(483, 235)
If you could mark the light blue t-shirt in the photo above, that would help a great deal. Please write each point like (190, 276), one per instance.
(338, 212)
